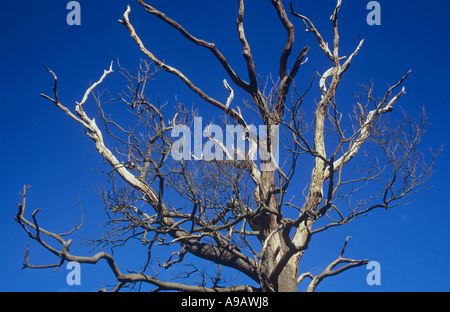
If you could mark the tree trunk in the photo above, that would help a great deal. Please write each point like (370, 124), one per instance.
(286, 280)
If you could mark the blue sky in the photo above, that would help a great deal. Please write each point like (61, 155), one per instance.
(43, 148)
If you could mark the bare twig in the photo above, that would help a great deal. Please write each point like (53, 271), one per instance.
(331, 271)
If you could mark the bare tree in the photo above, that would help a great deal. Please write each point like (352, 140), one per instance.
(236, 211)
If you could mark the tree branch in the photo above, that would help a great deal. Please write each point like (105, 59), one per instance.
(290, 37)
(329, 269)
(210, 46)
(202, 250)
(230, 112)
(309, 27)
(253, 86)
(365, 130)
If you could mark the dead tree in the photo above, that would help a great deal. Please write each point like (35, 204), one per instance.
(245, 214)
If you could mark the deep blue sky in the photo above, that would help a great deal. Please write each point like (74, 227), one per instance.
(43, 148)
